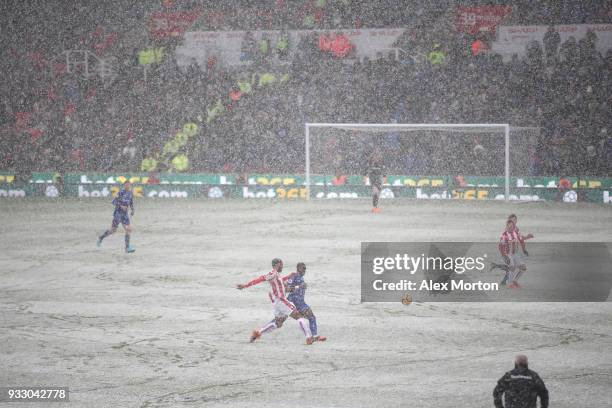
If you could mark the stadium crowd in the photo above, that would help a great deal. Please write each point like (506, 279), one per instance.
(51, 119)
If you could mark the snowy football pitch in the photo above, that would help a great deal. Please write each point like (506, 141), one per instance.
(164, 327)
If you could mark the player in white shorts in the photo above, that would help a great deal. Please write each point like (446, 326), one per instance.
(281, 306)
(517, 260)
(508, 248)
(522, 238)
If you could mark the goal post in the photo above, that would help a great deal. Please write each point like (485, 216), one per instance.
(464, 127)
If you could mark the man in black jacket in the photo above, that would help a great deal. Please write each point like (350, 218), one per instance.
(520, 387)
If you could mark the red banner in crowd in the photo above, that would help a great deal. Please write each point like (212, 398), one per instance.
(339, 45)
(473, 20)
(171, 24)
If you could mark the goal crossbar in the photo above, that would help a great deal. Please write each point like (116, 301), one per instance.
(403, 126)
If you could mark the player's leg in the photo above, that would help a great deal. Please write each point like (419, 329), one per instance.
(303, 325)
(280, 312)
(504, 268)
(519, 268)
(312, 322)
(279, 320)
(128, 231)
(109, 231)
(522, 268)
(299, 306)
(513, 273)
(275, 323)
(501, 266)
(505, 279)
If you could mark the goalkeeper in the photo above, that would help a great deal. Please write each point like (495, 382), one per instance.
(375, 173)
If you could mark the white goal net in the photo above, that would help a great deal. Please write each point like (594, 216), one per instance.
(485, 150)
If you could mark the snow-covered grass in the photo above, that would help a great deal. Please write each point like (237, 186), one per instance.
(164, 327)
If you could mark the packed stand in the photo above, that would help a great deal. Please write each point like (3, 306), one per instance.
(53, 120)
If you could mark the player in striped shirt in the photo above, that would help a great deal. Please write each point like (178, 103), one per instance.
(297, 290)
(281, 306)
(509, 242)
(521, 240)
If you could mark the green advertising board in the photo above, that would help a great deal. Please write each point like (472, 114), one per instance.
(141, 178)
(299, 179)
(297, 192)
(291, 186)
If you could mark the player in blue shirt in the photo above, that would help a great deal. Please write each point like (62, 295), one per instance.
(122, 202)
(297, 289)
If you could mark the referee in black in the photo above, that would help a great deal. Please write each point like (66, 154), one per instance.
(520, 387)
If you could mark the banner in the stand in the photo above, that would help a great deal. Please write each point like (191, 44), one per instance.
(476, 19)
(235, 48)
(139, 178)
(171, 24)
(514, 39)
